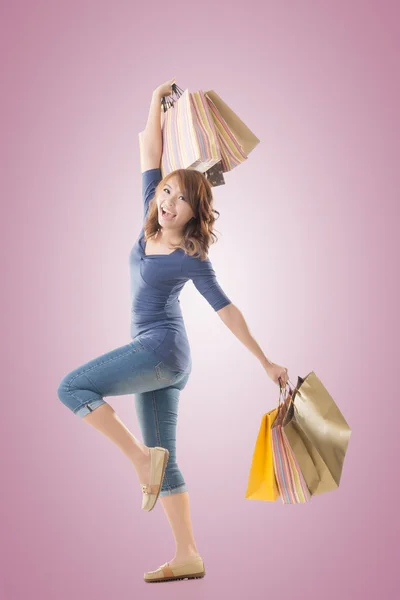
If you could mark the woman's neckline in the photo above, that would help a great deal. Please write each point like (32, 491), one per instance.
(143, 246)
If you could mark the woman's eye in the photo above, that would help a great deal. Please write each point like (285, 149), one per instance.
(167, 190)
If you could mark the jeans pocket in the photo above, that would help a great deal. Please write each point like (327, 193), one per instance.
(138, 345)
(165, 374)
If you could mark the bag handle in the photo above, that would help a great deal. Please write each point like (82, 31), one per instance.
(177, 90)
(292, 390)
(166, 104)
(282, 390)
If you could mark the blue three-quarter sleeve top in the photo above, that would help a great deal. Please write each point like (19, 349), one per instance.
(156, 281)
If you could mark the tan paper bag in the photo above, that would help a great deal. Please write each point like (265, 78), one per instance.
(318, 434)
(242, 133)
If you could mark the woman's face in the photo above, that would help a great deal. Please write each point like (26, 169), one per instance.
(172, 200)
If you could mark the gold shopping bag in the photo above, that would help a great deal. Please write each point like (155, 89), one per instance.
(318, 434)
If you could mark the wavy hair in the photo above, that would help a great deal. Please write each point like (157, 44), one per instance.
(198, 232)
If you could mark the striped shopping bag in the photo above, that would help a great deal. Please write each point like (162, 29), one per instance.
(189, 137)
(291, 483)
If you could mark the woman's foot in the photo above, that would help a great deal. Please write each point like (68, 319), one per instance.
(189, 568)
(151, 470)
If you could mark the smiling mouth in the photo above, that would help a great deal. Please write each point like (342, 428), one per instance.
(167, 216)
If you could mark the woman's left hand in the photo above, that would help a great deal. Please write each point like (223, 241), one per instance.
(165, 89)
(278, 374)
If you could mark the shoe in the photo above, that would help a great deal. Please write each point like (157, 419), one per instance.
(191, 570)
(158, 462)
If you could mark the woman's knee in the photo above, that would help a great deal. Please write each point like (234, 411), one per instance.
(64, 388)
(77, 393)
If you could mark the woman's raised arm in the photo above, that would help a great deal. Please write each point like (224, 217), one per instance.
(151, 152)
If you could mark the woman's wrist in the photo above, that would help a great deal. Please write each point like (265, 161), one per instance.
(266, 363)
(157, 94)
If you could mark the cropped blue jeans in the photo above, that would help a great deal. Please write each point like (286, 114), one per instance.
(134, 369)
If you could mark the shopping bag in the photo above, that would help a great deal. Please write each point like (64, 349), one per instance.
(215, 175)
(262, 483)
(232, 153)
(291, 483)
(293, 437)
(323, 431)
(243, 134)
(207, 135)
(189, 137)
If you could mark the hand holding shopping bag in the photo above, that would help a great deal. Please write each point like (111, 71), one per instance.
(167, 88)
(189, 137)
(301, 446)
(196, 134)
(277, 373)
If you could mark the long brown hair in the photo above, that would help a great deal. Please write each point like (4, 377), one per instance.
(198, 233)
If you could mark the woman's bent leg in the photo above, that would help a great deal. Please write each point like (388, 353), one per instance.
(125, 370)
(106, 420)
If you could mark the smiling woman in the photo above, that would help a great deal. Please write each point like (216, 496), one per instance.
(156, 364)
(186, 195)
(166, 214)
(166, 272)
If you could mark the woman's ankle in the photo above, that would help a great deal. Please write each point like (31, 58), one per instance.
(183, 555)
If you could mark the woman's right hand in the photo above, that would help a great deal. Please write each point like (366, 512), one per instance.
(278, 374)
(165, 89)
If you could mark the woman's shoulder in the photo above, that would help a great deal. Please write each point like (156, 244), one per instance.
(192, 265)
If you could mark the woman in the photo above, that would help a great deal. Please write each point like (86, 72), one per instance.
(155, 366)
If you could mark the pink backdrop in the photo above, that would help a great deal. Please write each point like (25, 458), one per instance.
(307, 250)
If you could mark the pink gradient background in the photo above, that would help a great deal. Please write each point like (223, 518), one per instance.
(308, 250)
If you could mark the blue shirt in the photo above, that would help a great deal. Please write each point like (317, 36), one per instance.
(156, 282)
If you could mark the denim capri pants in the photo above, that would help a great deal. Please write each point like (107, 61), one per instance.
(134, 369)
